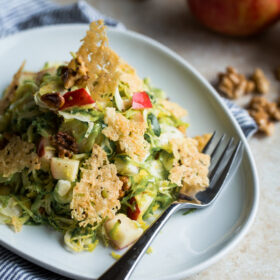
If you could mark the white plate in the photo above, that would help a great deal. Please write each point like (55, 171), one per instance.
(187, 244)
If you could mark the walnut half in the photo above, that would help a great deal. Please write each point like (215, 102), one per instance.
(261, 82)
(233, 84)
(76, 73)
(264, 112)
(53, 100)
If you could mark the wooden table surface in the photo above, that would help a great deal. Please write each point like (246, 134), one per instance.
(258, 255)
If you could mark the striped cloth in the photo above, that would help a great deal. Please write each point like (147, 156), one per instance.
(16, 15)
(247, 124)
(13, 267)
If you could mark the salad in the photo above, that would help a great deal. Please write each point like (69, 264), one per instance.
(92, 150)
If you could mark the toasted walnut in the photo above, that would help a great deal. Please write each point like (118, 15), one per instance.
(233, 85)
(75, 73)
(125, 180)
(270, 108)
(121, 194)
(261, 82)
(65, 144)
(125, 186)
(257, 103)
(53, 100)
(263, 113)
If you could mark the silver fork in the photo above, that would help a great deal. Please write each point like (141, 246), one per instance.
(222, 159)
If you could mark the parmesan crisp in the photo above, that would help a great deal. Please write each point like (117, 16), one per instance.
(95, 197)
(173, 108)
(16, 156)
(129, 76)
(129, 133)
(99, 68)
(190, 167)
(202, 140)
(100, 61)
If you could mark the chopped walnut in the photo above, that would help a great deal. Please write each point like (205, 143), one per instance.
(125, 186)
(75, 73)
(261, 82)
(264, 112)
(125, 180)
(53, 100)
(233, 84)
(65, 144)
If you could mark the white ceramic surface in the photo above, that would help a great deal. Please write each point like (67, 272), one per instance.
(187, 244)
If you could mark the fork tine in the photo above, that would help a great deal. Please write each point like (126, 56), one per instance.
(205, 149)
(217, 184)
(217, 165)
(217, 146)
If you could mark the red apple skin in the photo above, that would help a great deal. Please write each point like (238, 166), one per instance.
(41, 147)
(236, 17)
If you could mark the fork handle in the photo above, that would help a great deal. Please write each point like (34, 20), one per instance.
(122, 269)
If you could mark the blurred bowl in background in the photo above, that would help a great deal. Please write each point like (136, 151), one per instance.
(236, 17)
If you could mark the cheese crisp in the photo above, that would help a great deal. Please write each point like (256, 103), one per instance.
(16, 156)
(129, 134)
(95, 196)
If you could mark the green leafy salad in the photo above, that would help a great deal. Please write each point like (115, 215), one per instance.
(92, 150)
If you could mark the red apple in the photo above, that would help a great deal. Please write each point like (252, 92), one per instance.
(236, 17)
(133, 214)
(141, 100)
(77, 97)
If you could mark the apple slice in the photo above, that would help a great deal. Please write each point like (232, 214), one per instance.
(49, 153)
(45, 153)
(63, 187)
(141, 100)
(61, 191)
(64, 168)
(77, 97)
(144, 200)
(125, 167)
(122, 231)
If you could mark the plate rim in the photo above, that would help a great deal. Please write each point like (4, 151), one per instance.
(255, 179)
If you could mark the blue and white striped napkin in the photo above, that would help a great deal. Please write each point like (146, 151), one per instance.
(17, 15)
